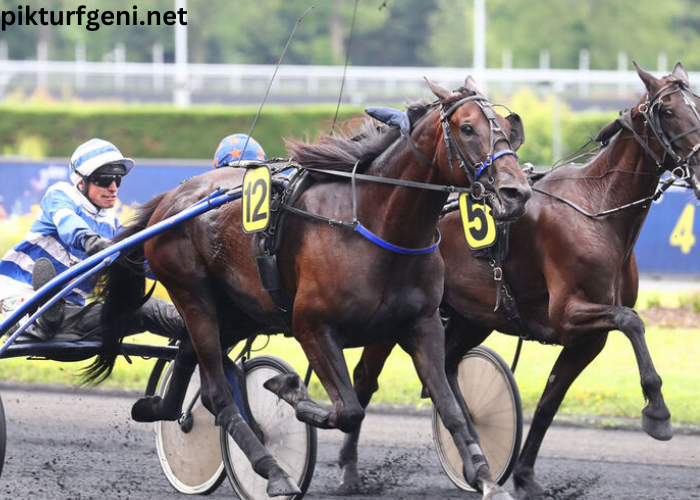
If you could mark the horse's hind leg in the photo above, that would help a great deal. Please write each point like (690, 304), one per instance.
(365, 378)
(322, 349)
(197, 302)
(569, 365)
(581, 320)
(426, 345)
(154, 408)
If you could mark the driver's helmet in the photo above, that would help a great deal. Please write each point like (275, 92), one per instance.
(98, 154)
(230, 150)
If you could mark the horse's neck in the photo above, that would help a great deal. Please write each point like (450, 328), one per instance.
(404, 216)
(624, 174)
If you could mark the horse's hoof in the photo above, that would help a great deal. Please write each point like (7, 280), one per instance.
(351, 481)
(144, 409)
(150, 410)
(288, 387)
(282, 485)
(495, 492)
(657, 428)
(528, 495)
(526, 488)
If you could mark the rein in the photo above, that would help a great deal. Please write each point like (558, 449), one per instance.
(357, 226)
(659, 192)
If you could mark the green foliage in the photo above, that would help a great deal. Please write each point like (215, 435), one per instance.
(165, 132)
(159, 131)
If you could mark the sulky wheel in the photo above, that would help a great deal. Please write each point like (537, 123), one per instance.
(492, 397)
(3, 436)
(291, 442)
(189, 454)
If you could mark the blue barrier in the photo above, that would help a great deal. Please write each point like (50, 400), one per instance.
(668, 242)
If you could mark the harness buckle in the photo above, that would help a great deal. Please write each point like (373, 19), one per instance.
(497, 274)
(684, 172)
(643, 108)
(478, 191)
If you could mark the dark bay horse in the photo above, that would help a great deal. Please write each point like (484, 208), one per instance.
(346, 291)
(574, 277)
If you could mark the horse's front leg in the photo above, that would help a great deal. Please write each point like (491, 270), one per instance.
(569, 365)
(323, 349)
(579, 320)
(366, 383)
(425, 343)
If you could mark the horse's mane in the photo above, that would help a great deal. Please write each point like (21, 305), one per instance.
(360, 145)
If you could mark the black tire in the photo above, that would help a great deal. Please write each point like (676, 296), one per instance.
(3, 436)
(271, 414)
(498, 418)
(191, 461)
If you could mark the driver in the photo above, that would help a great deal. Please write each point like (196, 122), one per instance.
(76, 220)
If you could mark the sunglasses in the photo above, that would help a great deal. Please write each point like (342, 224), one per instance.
(104, 181)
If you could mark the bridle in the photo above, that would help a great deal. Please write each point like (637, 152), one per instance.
(651, 111)
(471, 170)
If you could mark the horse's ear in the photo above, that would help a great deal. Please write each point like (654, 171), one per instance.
(470, 85)
(517, 132)
(650, 81)
(608, 131)
(680, 73)
(441, 93)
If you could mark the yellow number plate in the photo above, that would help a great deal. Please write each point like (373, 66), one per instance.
(256, 199)
(478, 223)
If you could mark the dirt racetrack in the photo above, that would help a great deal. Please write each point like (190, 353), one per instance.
(83, 445)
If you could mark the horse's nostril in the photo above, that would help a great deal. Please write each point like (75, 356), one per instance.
(513, 195)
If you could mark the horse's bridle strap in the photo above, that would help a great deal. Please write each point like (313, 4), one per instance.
(392, 181)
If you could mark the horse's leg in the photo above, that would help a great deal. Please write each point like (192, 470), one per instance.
(425, 343)
(366, 383)
(582, 319)
(569, 365)
(322, 348)
(153, 408)
(197, 303)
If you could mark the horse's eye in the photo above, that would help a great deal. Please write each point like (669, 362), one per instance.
(467, 129)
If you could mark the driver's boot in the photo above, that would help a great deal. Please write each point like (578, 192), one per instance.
(52, 318)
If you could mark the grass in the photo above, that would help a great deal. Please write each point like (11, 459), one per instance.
(608, 388)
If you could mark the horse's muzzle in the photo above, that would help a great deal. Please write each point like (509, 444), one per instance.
(509, 204)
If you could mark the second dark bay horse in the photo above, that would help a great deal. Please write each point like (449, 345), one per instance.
(346, 290)
(573, 274)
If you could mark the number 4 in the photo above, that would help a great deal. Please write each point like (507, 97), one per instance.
(682, 235)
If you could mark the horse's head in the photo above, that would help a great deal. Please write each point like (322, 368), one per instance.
(670, 111)
(479, 149)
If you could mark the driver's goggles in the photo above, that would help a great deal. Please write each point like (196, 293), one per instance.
(104, 181)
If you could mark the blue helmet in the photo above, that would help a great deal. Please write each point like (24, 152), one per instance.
(231, 147)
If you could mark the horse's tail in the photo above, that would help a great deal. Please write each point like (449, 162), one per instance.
(121, 291)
